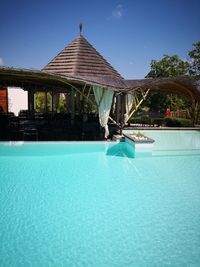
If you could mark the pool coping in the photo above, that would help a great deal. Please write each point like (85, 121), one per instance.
(162, 128)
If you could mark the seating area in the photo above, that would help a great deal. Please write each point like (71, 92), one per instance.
(49, 126)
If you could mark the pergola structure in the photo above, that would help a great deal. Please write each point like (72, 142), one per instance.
(80, 69)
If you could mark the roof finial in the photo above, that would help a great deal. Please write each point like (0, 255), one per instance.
(81, 28)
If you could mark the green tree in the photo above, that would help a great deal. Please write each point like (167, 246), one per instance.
(195, 59)
(168, 66)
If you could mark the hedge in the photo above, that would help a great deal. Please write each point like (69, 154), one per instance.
(167, 121)
(177, 122)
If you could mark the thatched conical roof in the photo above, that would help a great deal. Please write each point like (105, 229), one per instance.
(80, 59)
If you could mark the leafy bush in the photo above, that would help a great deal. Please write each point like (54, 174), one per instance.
(177, 122)
(141, 120)
(147, 120)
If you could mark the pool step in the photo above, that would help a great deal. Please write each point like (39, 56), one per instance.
(142, 145)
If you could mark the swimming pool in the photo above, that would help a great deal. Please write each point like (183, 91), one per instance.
(90, 204)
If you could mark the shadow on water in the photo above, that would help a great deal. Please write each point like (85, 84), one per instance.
(121, 149)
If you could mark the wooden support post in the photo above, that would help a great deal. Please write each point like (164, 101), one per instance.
(117, 108)
(122, 112)
(56, 99)
(72, 95)
(52, 109)
(30, 100)
(78, 103)
(34, 100)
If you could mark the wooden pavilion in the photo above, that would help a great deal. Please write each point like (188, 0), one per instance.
(79, 70)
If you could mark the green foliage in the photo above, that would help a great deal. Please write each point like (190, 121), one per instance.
(179, 103)
(168, 66)
(157, 102)
(177, 122)
(88, 106)
(195, 59)
(40, 102)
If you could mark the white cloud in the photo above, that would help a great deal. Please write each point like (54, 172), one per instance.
(117, 13)
(1, 61)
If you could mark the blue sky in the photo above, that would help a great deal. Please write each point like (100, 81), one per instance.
(129, 34)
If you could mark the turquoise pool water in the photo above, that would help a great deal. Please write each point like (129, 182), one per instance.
(90, 204)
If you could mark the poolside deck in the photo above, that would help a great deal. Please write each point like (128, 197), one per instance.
(50, 127)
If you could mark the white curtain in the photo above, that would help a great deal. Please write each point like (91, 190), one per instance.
(129, 105)
(103, 97)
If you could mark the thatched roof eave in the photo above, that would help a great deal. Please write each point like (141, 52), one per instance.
(30, 79)
(182, 85)
(42, 80)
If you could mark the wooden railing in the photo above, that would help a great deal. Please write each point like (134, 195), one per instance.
(181, 114)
